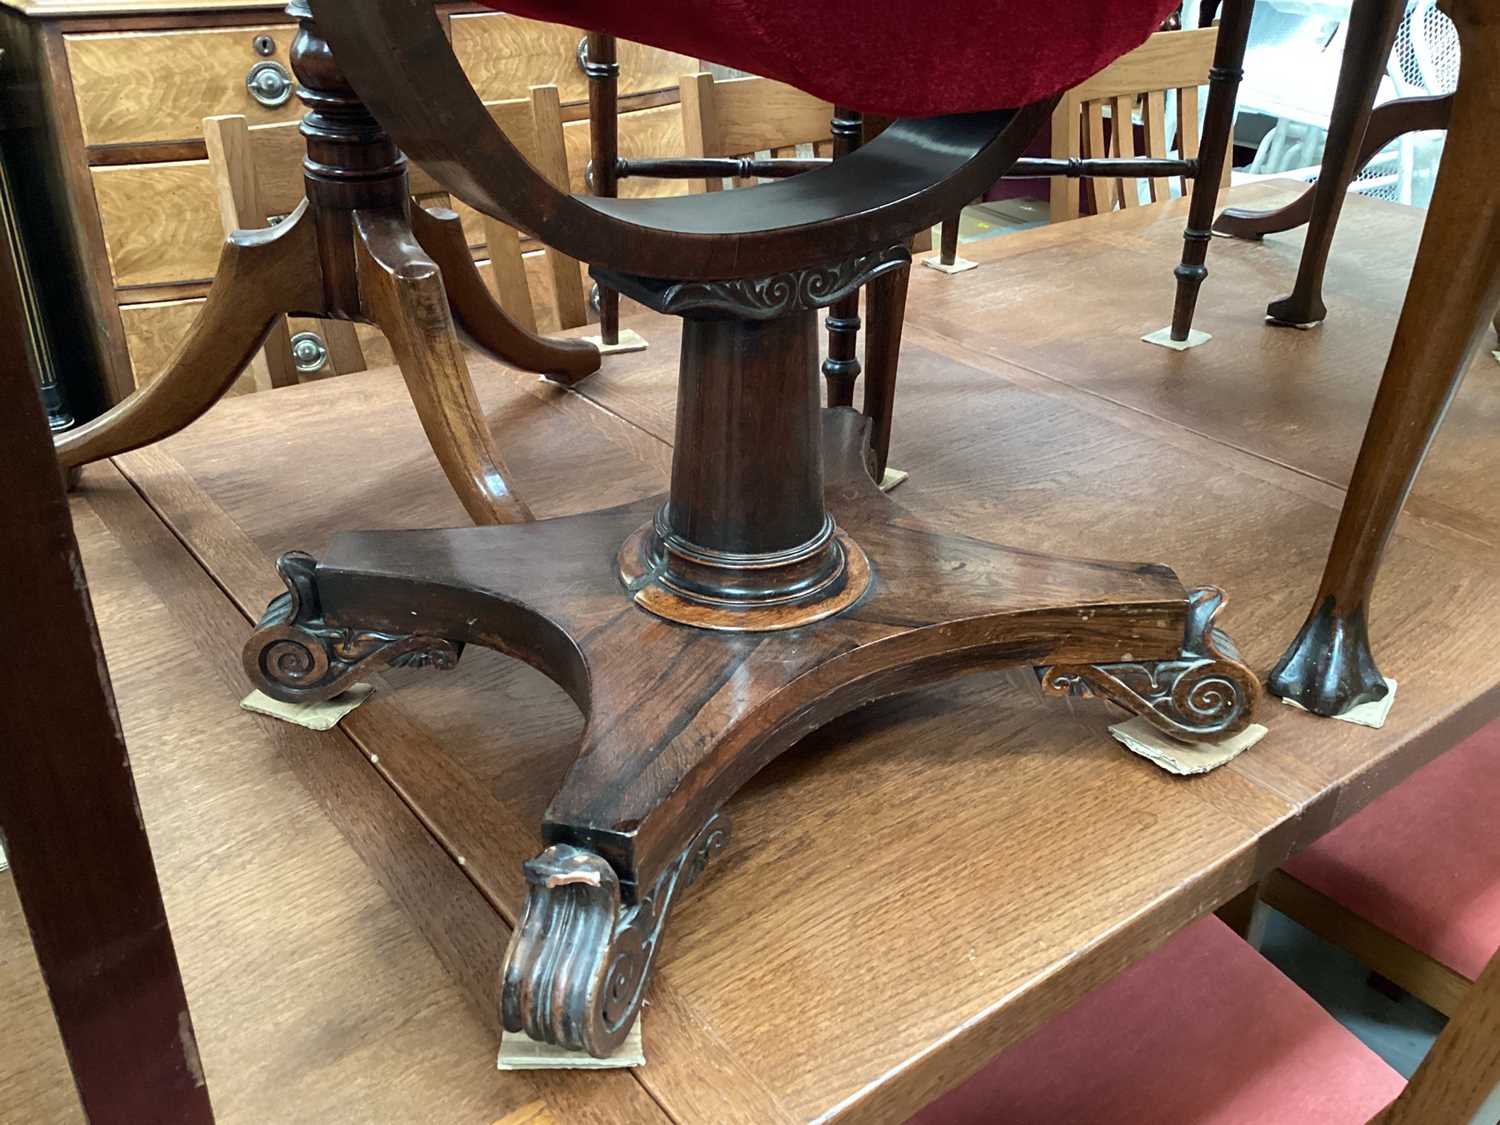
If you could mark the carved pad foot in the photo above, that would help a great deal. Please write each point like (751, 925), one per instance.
(297, 656)
(1329, 668)
(580, 960)
(1206, 693)
(1297, 311)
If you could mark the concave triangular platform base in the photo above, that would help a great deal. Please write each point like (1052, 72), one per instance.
(679, 718)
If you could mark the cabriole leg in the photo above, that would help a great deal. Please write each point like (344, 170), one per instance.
(1372, 34)
(1454, 289)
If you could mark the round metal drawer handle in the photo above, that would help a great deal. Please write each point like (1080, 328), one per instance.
(581, 54)
(269, 83)
(309, 353)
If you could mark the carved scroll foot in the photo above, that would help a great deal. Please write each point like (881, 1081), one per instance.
(297, 656)
(580, 960)
(1206, 693)
(1329, 668)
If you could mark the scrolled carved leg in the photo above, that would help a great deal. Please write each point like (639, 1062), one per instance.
(1206, 693)
(297, 656)
(581, 958)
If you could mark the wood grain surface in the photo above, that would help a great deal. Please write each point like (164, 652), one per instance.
(810, 974)
(135, 87)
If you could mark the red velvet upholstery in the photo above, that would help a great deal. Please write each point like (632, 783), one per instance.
(905, 58)
(1423, 861)
(1204, 1031)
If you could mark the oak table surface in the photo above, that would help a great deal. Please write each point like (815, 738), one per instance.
(812, 974)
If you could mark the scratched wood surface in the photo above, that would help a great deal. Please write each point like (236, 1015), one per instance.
(918, 884)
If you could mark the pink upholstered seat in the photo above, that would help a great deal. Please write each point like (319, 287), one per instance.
(906, 58)
(1204, 1030)
(1423, 861)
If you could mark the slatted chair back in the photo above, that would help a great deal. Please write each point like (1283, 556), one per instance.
(257, 172)
(746, 116)
(1169, 64)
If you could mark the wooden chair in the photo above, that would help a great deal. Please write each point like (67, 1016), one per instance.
(1410, 885)
(257, 172)
(1171, 64)
(747, 116)
(1204, 1031)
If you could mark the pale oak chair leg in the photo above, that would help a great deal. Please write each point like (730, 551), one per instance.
(480, 317)
(1372, 34)
(1454, 290)
(262, 274)
(1213, 153)
(402, 291)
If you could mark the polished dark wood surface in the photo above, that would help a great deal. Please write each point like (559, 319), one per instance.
(774, 547)
(1078, 858)
(906, 179)
(72, 826)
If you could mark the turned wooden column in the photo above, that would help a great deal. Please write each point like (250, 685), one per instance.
(351, 161)
(745, 541)
(1217, 145)
(745, 521)
(841, 369)
(601, 66)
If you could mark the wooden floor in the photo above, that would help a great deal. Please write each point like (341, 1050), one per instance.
(917, 885)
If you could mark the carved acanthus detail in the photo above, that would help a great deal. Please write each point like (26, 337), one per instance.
(580, 960)
(760, 298)
(1206, 693)
(296, 656)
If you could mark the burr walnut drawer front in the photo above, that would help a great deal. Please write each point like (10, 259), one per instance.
(161, 222)
(503, 55)
(154, 329)
(154, 87)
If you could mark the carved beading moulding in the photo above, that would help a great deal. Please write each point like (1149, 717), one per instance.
(760, 298)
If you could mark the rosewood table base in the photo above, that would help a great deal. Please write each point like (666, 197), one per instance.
(679, 718)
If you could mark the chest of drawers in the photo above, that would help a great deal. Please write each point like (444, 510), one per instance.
(115, 195)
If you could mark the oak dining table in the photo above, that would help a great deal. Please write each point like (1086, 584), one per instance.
(920, 883)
